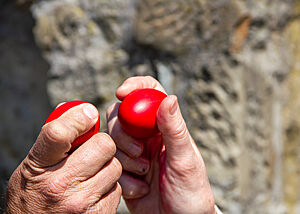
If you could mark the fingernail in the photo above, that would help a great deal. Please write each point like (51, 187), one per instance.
(144, 167)
(173, 107)
(135, 150)
(90, 111)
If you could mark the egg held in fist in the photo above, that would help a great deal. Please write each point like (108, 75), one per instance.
(81, 139)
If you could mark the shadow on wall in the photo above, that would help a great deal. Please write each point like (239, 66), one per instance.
(24, 100)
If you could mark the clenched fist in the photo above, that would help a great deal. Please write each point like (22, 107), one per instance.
(49, 180)
(164, 173)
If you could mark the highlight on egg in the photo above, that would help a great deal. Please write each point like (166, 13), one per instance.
(137, 112)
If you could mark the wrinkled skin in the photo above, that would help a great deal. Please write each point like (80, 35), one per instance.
(166, 173)
(49, 180)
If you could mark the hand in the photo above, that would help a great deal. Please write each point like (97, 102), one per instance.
(166, 173)
(49, 180)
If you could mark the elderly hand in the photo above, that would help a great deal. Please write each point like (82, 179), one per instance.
(166, 173)
(49, 180)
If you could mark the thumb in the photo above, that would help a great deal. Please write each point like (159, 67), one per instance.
(56, 137)
(175, 134)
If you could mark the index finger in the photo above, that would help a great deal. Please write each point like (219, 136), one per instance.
(139, 82)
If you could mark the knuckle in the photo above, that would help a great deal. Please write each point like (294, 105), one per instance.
(189, 169)
(81, 123)
(76, 205)
(77, 119)
(123, 159)
(29, 174)
(53, 189)
(128, 80)
(107, 144)
(152, 82)
(180, 132)
(185, 168)
(55, 132)
(117, 167)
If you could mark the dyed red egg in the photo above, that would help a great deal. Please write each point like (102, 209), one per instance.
(65, 107)
(137, 112)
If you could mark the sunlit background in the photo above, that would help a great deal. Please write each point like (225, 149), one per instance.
(234, 65)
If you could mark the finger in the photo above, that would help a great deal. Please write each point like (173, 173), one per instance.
(78, 202)
(138, 166)
(109, 203)
(56, 137)
(103, 181)
(112, 111)
(124, 142)
(132, 187)
(175, 134)
(88, 159)
(139, 82)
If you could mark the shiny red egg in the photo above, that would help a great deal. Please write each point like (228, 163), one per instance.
(65, 107)
(137, 112)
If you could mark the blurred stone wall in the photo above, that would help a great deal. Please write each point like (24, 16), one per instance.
(24, 102)
(234, 64)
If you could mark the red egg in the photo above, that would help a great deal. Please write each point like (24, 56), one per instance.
(65, 107)
(137, 112)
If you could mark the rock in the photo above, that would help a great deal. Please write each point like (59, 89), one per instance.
(76, 49)
(85, 63)
(159, 20)
(232, 64)
(291, 123)
(24, 98)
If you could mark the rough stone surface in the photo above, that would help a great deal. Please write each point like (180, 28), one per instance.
(23, 79)
(291, 124)
(233, 64)
(83, 47)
